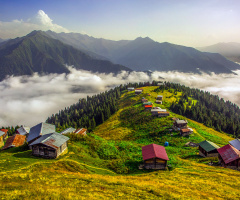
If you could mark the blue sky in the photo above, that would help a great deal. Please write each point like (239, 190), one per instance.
(185, 22)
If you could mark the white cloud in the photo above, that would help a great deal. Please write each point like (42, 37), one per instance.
(28, 100)
(18, 28)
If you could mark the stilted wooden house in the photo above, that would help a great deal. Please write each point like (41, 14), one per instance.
(23, 130)
(236, 144)
(15, 141)
(229, 157)
(186, 131)
(138, 91)
(144, 100)
(180, 124)
(148, 107)
(81, 131)
(158, 102)
(131, 89)
(154, 157)
(39, 130)
(68, 130)
(49, 145)
(159, 97)
(208, 149)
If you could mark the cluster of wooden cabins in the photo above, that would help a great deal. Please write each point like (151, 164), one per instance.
(42, 139)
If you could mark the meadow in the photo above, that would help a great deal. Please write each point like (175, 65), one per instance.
(104, 164)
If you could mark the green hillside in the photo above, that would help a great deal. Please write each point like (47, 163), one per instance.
(104, 164)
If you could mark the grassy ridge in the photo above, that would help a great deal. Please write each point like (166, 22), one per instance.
(104, 164)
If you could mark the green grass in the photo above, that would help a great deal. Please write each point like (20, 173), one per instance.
(104, 164)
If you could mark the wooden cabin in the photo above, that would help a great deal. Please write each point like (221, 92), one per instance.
(130, 89)
(163, 113)
(39, 130)
(154, 157)
(50, 145)
(144, 100)
(23, 130)
(159, 97)
(14, 141)
(68, 130)
(81, 131)
(186, 131)
(148, 107)
(158, 102)
(138, 91)
(229, 157)
(208, 149)
(236, 144)
(180, 124)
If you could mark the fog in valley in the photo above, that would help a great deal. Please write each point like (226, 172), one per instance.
(28, 100)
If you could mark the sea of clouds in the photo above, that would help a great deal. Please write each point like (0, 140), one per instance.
(28, 100)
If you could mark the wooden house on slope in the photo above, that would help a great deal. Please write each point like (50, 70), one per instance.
(148, 107)
(130, 89)
(144, 100)
(186, 131)
(81, 131)
(40, 130)
(14, 141)
(208, 149)
(138, 91)
(154, 157)
(23, 130)
(68, 130)
(159, 97)
(158, 102)
(178, 124)
(229, 157)
(49, 145)
(236, 144)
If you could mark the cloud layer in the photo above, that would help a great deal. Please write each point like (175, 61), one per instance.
(18, 28)
(27, 100)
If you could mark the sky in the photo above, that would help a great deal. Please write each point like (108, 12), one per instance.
(29, 100)
(187, 22)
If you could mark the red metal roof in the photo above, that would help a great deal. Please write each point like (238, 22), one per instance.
(148, 106)
(154, 151)
(4, 130)
(15, 141)
(80, 131)
(228, 153)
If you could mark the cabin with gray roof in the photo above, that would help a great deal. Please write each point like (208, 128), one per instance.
(180, 124)
(208, 149)
(159, 97)
(49, 145)
(23, 130)
(68, 130)
(39, 130)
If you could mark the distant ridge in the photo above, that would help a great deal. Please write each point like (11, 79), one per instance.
(37, 52)
(144, 54)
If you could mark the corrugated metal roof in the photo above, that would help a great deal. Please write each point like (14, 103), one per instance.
(68, 130)
(1, 133)
(80, 131)
(154, 151)
(23, 130)
(4, 130)
(181, 122)
(15, 141)
(185, 130)
(236, 144)
(40, 129)
(208, 146)
(54, 140)
(148, 106)
(228, 153)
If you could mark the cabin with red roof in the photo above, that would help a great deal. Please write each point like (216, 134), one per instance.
(14, 141)
(186, 131)
(148, 107)
(81, 131)
(154, 157)
(229, 157)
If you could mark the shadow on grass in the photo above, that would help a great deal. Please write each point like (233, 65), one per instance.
(25, 154)
(192, 157)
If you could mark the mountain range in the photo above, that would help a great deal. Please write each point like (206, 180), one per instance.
(49, 52)
(230, 50)
(40, 53)
(144, 54)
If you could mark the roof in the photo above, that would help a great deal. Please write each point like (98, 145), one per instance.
(4, 130)
(147, 103)
(148, 106)
(185, 130)
(40, 129)
(131, 88)
(159, 95)
(208, 146)
(14, 141)
(138, 90)
(54, 140)
(236, 144)
(181, 122)
(80, 131)
(23, 130)
(68, 130)
(2, 133)
(228, 153)
(154, 151)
